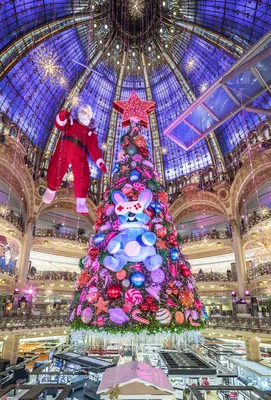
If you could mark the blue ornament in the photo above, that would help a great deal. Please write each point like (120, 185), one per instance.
(137, 279)
(134, 176)
(99, 238)
(174, 254)
(116, 168)
(152, 204)
(157, 207)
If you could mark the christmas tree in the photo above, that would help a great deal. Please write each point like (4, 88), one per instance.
(135, 277)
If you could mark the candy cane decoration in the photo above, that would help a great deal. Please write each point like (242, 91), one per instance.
(194, 323)
(135, 316)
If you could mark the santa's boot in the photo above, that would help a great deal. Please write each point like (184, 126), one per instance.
(48, 196)
(81, 206)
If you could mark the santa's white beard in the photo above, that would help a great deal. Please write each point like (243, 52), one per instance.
(84, 120)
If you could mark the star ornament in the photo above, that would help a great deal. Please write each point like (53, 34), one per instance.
(134, 107)
(101, 306)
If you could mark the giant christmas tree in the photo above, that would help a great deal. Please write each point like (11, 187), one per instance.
(135, 277)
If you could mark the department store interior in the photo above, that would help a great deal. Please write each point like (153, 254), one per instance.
(177, 93)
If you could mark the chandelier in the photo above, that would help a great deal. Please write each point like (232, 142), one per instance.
(264, 247)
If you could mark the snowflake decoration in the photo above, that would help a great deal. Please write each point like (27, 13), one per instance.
(203, 87)
(48, 67)
(189, 65)
(136, 8)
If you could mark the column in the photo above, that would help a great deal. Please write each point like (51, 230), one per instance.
(10, 349)
(253, 352)
(240, 262)
(25, 254)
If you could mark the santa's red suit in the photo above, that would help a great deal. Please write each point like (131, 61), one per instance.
(75, 145)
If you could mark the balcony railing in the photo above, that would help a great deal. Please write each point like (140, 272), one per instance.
(260, 270)
(8, 214)
(51, 233)
(255, 218)
(243, 324)
(12, 323)
(215, 277)
(205, 236)
(54, 276)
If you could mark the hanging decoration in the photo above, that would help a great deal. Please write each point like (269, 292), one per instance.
(47, 62)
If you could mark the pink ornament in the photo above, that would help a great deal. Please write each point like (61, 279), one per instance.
(148, 163)
(118, 316)
(83, 296)
(95, 266)
(154, 292)
(137, 157)
(99, 322)
(127, 307)
(127, 188)
(78, 311)
(72, 315)
(87, 315)
(115, 226)
(139, 186)
(133, 296)
(136, 317)
(198, 305)
(109, 210)
(147, 174)
(121, 180)
(194, 314)
(171, 303)
(173, 270)
(158, 276)
(111, 235)
(105, 227)
(93, 295)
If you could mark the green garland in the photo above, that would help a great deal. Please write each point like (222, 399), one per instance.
(81, 265)
(137, 328)
(102, 256)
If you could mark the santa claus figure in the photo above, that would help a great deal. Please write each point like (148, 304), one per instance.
(75, 145)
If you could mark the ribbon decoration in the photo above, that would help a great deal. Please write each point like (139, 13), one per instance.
(113, 393)
(104, 274)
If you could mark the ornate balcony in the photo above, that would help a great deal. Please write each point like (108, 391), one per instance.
(260, 270)
(52, 234)
(29, 322)
(206, 236)
(215, 277)
(54, 276)
(240, 324)
(8, 215)
(255, 218)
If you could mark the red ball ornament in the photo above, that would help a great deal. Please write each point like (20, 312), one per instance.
(162, 232)
(186, 272)
(183, 266)
(154, 308)
(149, 300)
(114, 291)
(144, 307)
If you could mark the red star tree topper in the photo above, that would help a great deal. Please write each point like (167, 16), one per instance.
(134, 107)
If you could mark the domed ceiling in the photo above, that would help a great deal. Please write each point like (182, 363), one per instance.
(170, 51)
